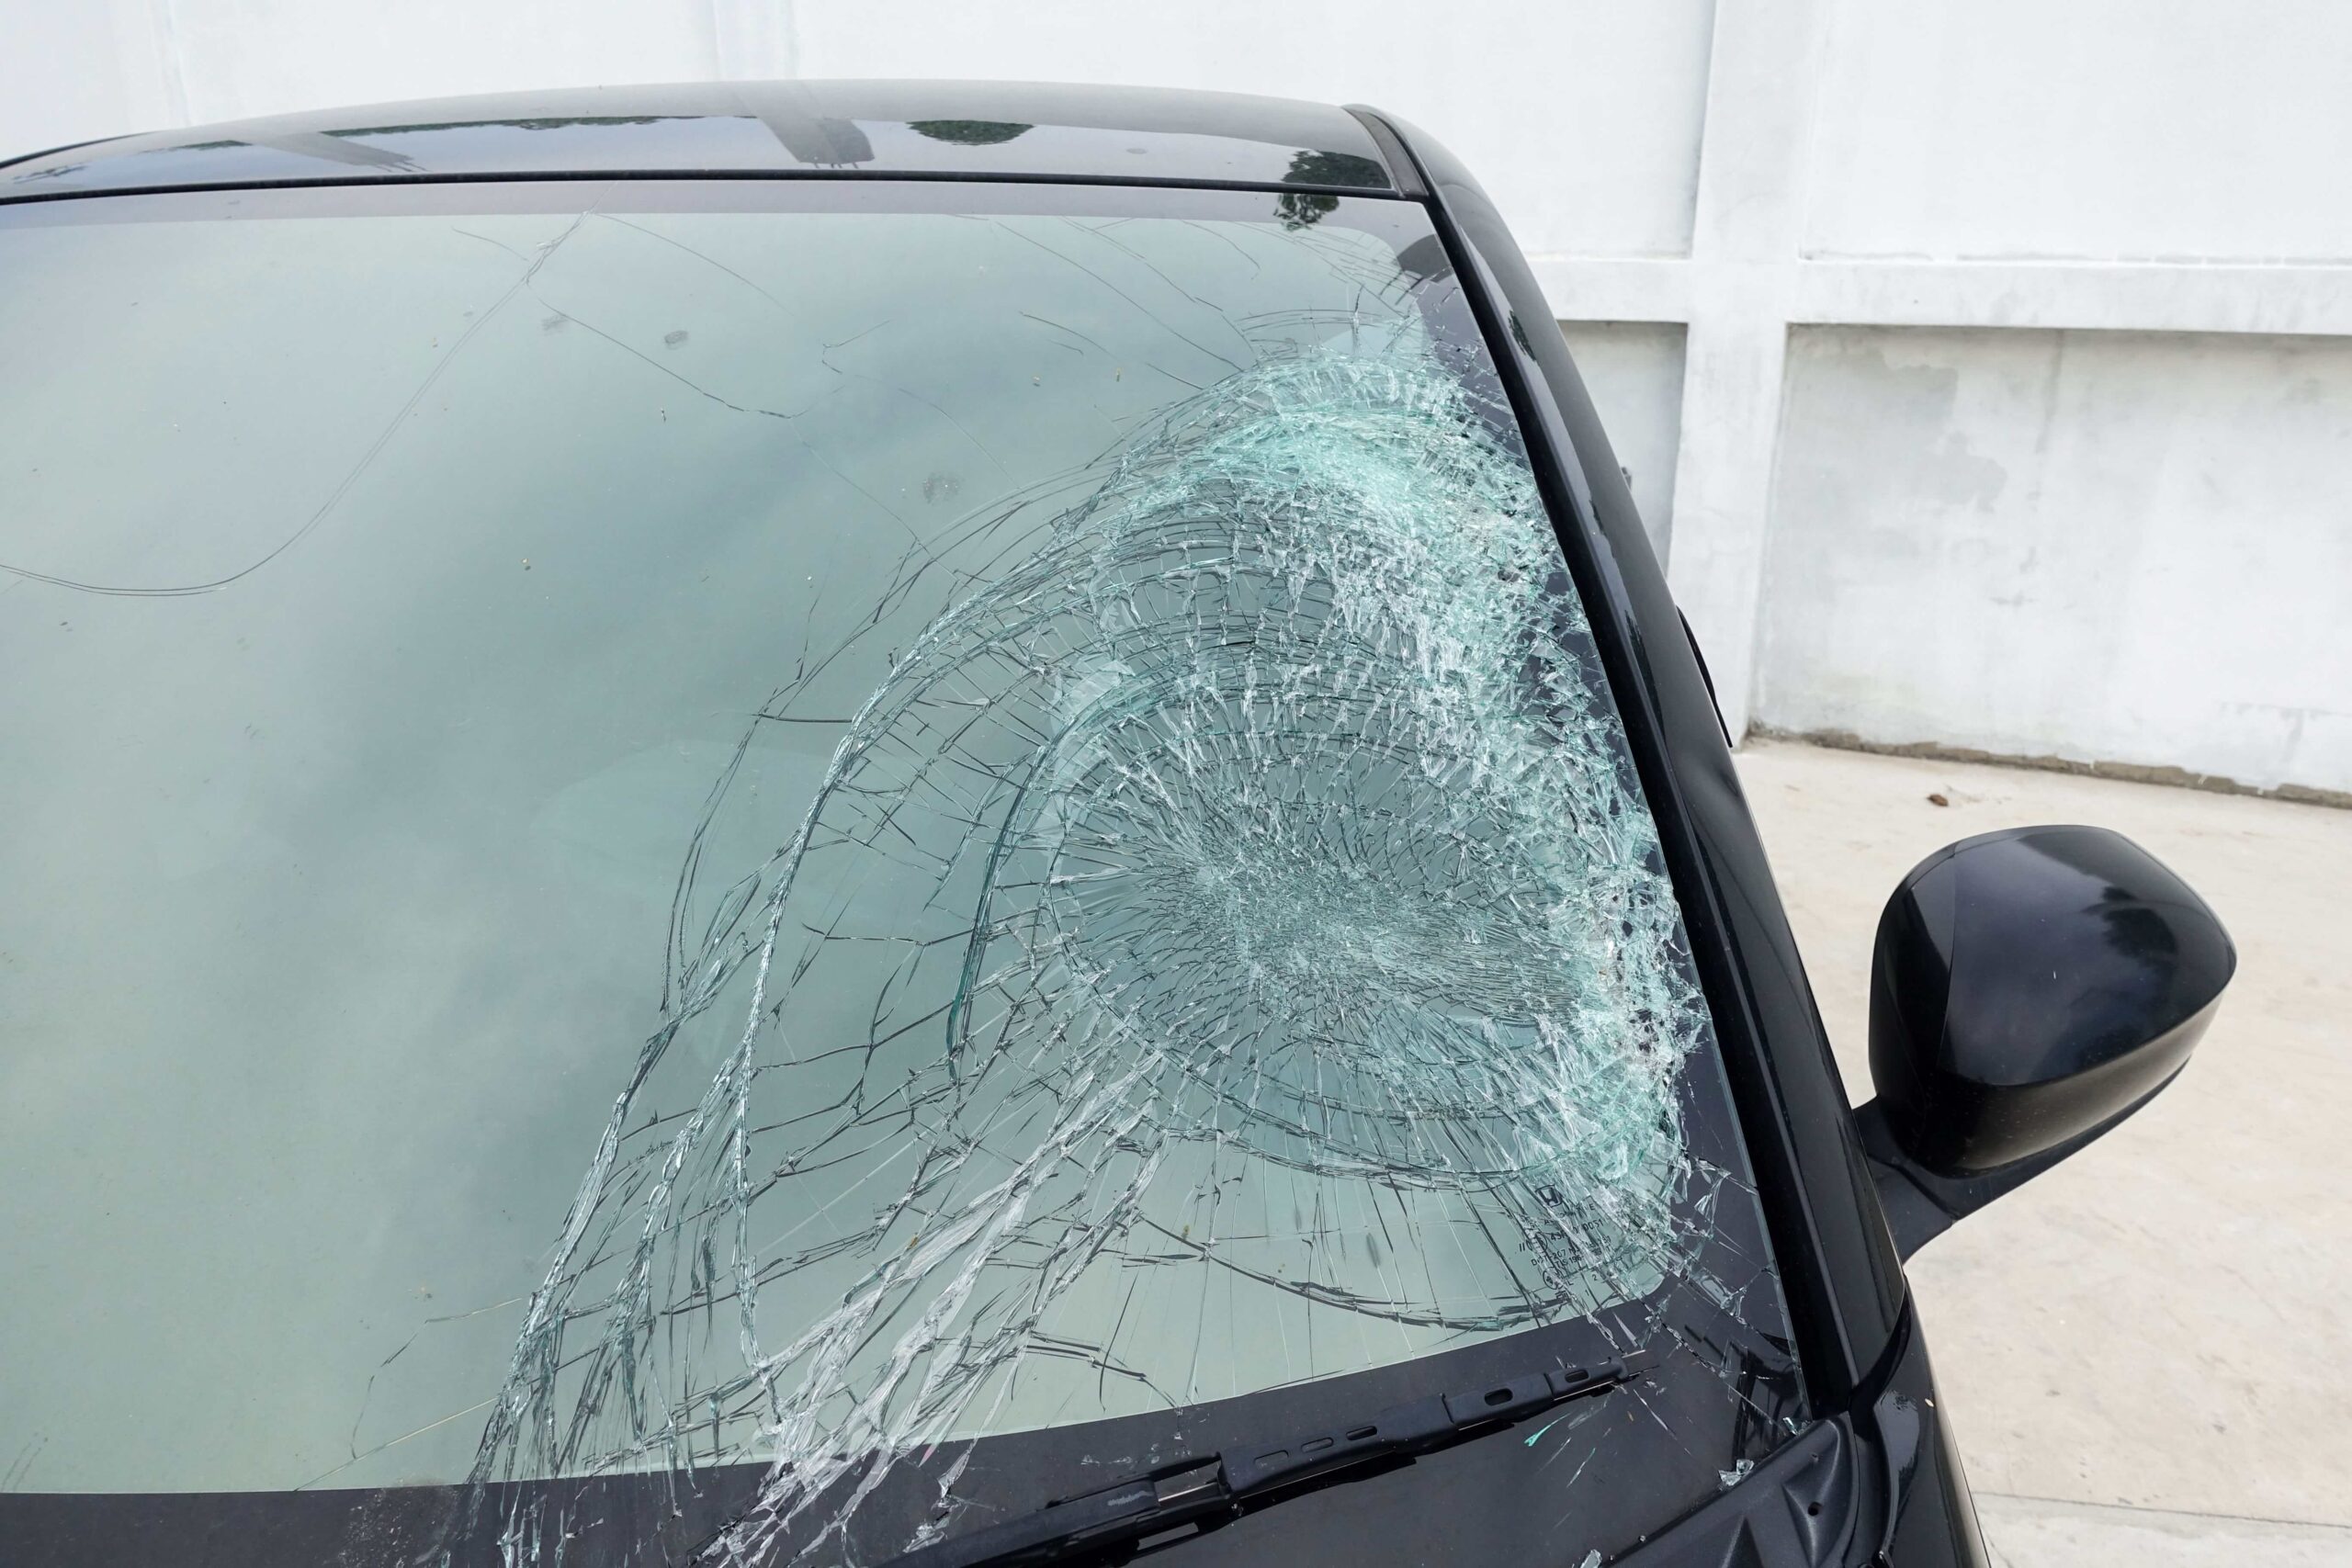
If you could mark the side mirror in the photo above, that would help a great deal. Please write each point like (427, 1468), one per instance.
(2031, 988)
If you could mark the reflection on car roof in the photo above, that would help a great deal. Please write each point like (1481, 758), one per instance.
(891, 129)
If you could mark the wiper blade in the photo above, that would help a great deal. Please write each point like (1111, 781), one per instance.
(1208, 1489)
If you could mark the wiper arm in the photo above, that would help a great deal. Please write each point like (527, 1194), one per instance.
(1208, 1489)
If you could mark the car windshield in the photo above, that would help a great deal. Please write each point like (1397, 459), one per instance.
(771, 869)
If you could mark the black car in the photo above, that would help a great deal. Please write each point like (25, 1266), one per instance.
(862, 822)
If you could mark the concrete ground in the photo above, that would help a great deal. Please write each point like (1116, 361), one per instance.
(2146, 1353)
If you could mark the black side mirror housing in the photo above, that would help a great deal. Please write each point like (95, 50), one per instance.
(2031, 988)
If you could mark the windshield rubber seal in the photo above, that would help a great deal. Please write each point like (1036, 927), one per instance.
(755, 177)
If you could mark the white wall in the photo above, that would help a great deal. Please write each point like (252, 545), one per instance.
(2042, 526)
(1634, 370)
(2118, 233)
(2098, 129)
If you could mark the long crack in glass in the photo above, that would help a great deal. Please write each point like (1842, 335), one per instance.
(1227, 947)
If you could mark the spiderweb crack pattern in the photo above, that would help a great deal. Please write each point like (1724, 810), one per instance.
(1245, 883)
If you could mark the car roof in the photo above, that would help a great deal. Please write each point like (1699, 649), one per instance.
(991, 131)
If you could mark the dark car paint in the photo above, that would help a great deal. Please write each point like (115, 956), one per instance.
(2113, 965)
(2105, 970)
(1033, 132)
(1902, 1498)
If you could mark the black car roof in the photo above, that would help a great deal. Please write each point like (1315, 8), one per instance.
(753, 129)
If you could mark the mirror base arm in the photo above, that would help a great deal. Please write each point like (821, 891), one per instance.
(1920, 1204)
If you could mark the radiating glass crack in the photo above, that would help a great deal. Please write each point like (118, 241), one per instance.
(1227, 948)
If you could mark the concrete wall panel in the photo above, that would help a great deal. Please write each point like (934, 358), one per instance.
(2132, 130)
(2114, 547)
(1634, 370)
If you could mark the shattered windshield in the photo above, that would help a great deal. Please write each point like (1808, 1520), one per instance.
(754, 874)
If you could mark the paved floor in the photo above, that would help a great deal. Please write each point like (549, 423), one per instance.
(2146, 1353)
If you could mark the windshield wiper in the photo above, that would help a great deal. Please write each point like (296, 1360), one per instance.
(1209, 1489)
